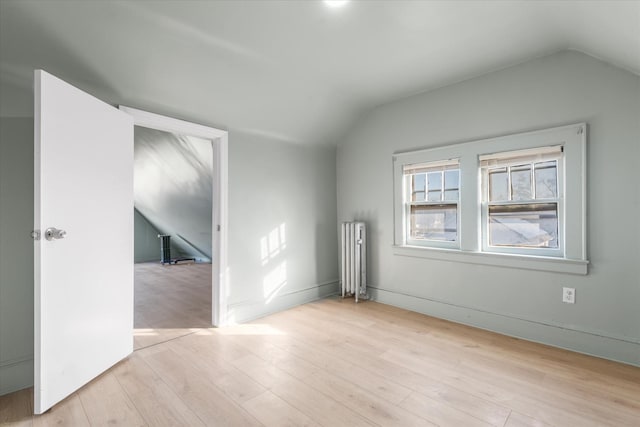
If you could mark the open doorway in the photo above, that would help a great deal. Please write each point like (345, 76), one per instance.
(180, 194)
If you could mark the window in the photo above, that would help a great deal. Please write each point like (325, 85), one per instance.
(516, 201)
(433, 191)
(522, 201)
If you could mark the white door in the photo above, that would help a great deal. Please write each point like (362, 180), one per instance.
(84, 278)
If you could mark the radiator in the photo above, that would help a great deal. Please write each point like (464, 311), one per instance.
(354, 259)
(165, 248)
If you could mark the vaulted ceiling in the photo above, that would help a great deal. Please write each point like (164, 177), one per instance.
(297, 71)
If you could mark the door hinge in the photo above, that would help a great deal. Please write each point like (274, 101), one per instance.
(218, 227)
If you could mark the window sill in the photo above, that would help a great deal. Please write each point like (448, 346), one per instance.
(555, 265)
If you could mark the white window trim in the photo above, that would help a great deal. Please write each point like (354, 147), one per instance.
(573, 140)
(542, 252)
(434, 243)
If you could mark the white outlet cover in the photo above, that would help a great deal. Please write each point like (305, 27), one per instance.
(569, 295)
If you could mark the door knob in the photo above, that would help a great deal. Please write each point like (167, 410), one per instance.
(52, 233)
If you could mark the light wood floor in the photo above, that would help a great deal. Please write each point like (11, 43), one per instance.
(170, 301)
(334, 363)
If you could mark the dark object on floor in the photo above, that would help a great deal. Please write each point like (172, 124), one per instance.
(165, 251)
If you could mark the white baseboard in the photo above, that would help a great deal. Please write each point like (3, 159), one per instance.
(16, 375)
(249, 310)
(618, 349)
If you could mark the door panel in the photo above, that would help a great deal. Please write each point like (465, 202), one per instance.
(84, 280)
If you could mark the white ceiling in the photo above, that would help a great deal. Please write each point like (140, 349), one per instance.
(292, 70)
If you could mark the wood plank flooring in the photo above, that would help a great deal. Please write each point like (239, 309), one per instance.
(335, 363)
(170, 301)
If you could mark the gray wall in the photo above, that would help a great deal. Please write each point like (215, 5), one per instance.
(273, 185)
(146, 245)
(16, 253)
(173, 188)
(564, 88)
(270, 183)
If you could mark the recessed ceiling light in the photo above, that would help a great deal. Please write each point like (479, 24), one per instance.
(334, 4)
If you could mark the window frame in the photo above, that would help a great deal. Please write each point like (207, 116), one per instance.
(572, 260)
(559, 200)
(439, 166)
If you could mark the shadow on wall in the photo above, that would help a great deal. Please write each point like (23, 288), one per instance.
(16, 254)
(173, 187)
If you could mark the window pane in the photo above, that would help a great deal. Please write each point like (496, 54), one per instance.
(525, 225)
(452, 185)
(451, 195)
(418, 189)
(435, 180)
(434, 196)
(546, 180)
(435, 222)
(452, 179)
(498, 185)
(434, 183)
(521, 182)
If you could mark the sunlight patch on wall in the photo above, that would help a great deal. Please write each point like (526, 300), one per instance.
(273, 244)
(274, 281)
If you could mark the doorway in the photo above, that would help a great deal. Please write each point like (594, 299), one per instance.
(181, 170)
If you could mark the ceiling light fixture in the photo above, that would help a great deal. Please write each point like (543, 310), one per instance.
(334, 4)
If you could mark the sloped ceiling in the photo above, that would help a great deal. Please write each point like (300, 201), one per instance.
(173, 187)
(291, 70)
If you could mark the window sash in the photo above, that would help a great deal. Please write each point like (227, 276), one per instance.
(443, 189)
(506, 164)
(523, 225)
(439, 165)
(529, 155)
(443, 211)
(533, 178)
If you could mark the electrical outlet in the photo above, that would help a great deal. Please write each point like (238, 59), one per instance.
(569, 295)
